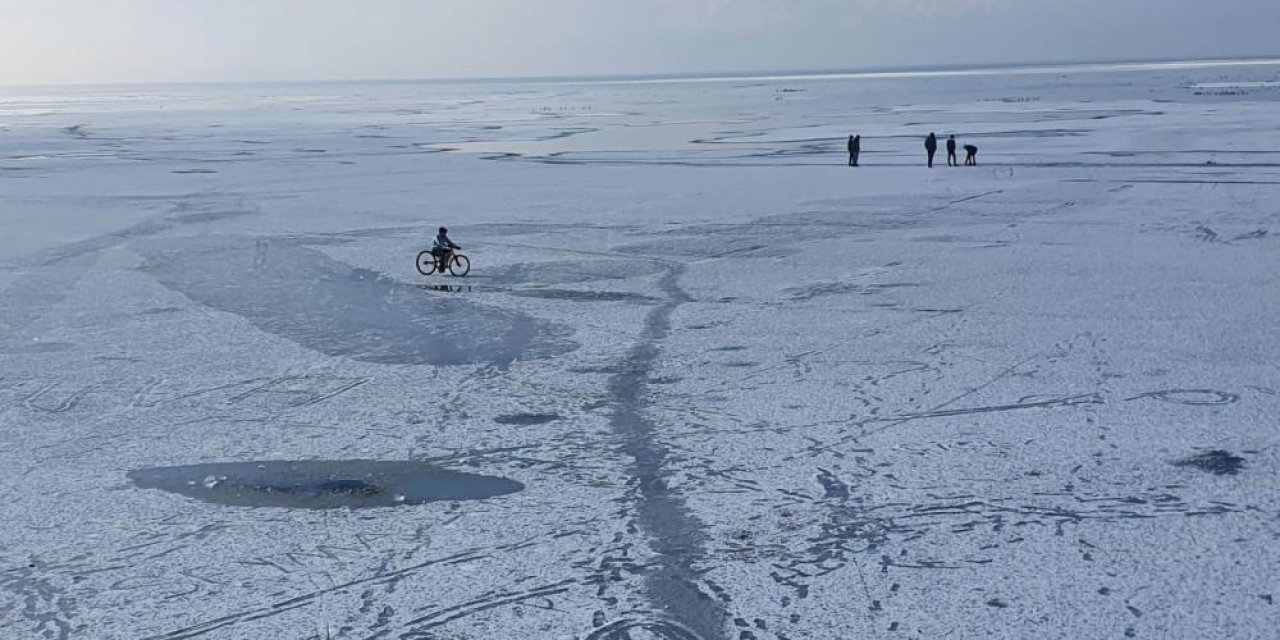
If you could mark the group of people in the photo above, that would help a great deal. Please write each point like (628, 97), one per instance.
(930, 147)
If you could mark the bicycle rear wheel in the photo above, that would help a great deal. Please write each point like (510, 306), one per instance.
(460, 266)
(426, 263)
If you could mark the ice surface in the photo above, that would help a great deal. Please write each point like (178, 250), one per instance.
(750, 392)
(338, 310)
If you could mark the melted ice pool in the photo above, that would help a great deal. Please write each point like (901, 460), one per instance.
(355, 484)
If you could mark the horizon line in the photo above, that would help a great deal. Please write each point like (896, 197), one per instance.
(809, 74)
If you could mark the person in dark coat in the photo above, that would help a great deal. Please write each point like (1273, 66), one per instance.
(442, 247)
(931, 147)
(970, 156)
(951, 152)
(855, 148)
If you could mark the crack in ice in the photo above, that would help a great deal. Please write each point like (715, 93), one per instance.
(674, 533)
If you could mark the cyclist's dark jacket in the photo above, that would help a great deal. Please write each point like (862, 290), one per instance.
(443, 243)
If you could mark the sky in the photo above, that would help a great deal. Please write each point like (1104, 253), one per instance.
(103, 41)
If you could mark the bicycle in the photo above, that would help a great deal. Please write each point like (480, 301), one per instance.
(456, 263)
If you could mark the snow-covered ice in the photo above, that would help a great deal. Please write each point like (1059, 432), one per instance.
(713, 383)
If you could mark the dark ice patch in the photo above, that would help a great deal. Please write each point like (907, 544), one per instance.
(320, 303)
(657, 629)
(204, 217)
(1219, 463)
(1252, 235)
(708, 247)
(573, 271)
(525, 419)
(823, 289)
(583, 296)
(1191, 396)
(832, 486)
(35, 347)
(355, 484)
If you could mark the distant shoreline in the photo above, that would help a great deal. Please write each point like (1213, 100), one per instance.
(799, 75)
(940, 72)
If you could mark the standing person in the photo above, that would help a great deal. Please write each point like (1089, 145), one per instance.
(970, 156)
(951, 152)
(931, 146)
(855, 148)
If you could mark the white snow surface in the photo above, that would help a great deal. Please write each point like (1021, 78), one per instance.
(795, 400)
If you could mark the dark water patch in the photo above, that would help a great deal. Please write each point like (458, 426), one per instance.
(1219, 463)
(354, 484)
(192, 171)
(583, 296)
(528, 419)
(320, 303)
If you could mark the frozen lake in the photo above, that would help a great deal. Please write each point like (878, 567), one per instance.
(704, 382)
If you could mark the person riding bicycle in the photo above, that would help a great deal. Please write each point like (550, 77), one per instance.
(443, 247)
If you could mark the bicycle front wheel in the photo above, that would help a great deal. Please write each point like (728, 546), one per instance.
(426, 263)
(460, 266)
